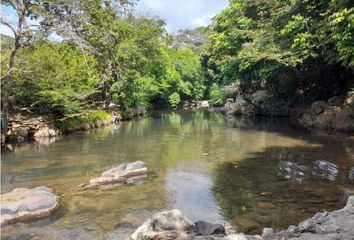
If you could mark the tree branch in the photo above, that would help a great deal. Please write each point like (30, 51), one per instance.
(7, 73)
(3, 22)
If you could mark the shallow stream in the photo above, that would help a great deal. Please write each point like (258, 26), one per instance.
(250, 173)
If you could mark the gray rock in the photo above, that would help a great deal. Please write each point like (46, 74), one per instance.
(292, 230)
(132, 173)
(236, 237)
(135, 166)
(325, 170)
(319, 107)
(351, 175)
(350, 203)
(205, 228)
(307, 225)
(336, 100)
(267, 233)
(173, 222)
(336, 225)
(292, 171)
(45, 132)
(24, 204)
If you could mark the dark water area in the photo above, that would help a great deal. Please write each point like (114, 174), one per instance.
(252, 173)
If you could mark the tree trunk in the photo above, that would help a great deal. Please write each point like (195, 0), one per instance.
(7, 79)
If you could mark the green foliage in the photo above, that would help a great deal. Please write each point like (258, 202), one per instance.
(297, 50)
(55, 78)
(342, 26)
(6, 43)
(217, 97)
(130, 63)
(81, 120)
(174, 99)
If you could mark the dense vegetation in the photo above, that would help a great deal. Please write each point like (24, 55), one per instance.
(300, 51)
(101, 53)
(86, 54)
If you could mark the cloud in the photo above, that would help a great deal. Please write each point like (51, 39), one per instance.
(202, 21)
(182, 13)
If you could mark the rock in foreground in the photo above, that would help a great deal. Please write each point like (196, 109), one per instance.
(173, 225)
(132, 173)
(27, 204)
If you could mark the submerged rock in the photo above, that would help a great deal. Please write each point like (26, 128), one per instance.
(26, 204)
(325, 170)
(351, 175)
(292, 171)
(133, 173)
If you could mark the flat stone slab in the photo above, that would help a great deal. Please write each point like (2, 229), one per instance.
(131, 173)
(22, 204)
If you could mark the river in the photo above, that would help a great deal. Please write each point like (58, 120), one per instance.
(248, 172)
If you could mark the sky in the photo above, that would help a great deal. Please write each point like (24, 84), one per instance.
(178, 14)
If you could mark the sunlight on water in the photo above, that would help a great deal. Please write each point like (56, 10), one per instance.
(251, 173)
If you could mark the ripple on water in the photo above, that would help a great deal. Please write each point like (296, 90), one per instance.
(253, 173)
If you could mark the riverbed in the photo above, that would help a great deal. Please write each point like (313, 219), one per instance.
(252, 173)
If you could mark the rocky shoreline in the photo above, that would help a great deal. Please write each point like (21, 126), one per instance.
(335, 114)
(173, 225)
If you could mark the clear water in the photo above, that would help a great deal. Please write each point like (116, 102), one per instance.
(250, 173)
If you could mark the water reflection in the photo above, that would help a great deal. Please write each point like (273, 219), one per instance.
(250, 172)
(270, 191)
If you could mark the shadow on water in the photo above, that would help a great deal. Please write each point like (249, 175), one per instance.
(280, 186)
(251, 172)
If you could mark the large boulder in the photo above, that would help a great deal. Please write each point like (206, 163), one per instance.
(325, 117)
(237, 107)
(172, 224)
(26, 204)
(133, 173)
(257, 103)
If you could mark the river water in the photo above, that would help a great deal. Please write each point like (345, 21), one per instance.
(251, 173)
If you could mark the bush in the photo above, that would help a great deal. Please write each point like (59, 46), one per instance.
(217, 97)
(174, 99)
(81, 120)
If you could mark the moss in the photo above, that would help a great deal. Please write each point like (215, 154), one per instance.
(81, 121)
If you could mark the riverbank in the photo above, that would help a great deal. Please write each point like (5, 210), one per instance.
(334, 115)
(26, 126)
(32, 127)
(170, 225)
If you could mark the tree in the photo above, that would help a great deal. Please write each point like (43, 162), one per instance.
(297, 50)
(22, 37)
